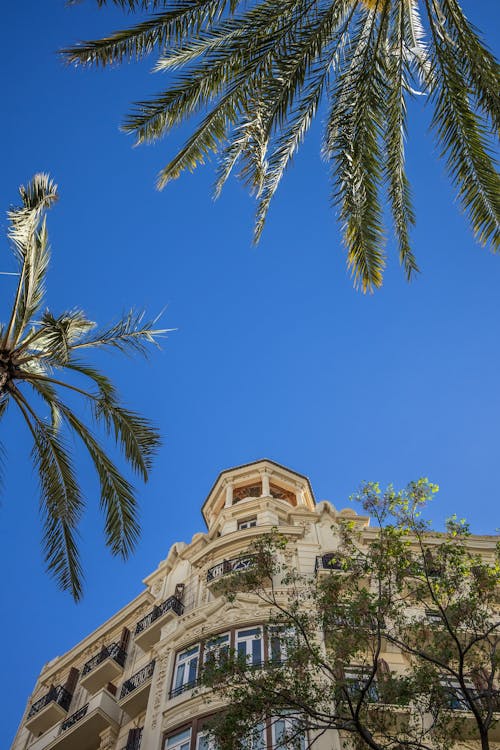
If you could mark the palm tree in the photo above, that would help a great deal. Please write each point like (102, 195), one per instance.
(35, 348)
(261, 71)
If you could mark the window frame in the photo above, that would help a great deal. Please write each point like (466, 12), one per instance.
(247, 523)
(186, 730)
(179, 687)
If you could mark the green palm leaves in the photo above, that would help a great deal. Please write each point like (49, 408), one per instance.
(33, 353)
(258, 73)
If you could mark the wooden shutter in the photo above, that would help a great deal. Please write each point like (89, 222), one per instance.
(70, 683)
(124, 639)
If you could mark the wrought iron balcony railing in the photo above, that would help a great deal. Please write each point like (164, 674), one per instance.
(338, 561)
(183, 688)
(137, 679)
(330, 561)
(171, 603)
(68, 723)
(59, 695)
(236, 565)
(113, 651)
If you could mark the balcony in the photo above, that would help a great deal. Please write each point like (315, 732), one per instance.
(147, 630)
(82, 728)
(135, 691)
(336, 562)
(328, 562)
(236, 565)
(48, 710)
(104, 667)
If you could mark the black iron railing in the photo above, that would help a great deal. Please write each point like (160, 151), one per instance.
(330, 561)
(58, 695)
(137, 679)
(183, 688)
(68, 723)
(171, 603)
(236, 565)
(113, 651)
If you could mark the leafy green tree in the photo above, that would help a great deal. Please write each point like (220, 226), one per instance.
(37, 348)
(426, 602)
(261, 71)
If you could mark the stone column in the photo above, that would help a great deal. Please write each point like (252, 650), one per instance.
(265, 483)
(229, 494)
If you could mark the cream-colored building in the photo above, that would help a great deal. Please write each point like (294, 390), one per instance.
(129, 685)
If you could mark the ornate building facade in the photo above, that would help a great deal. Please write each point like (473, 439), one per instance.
(132, 683)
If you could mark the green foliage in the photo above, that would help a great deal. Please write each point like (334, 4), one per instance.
(33, 351)
(426, 601)
(258, 73)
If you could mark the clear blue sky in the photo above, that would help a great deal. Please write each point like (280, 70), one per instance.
(275, 354)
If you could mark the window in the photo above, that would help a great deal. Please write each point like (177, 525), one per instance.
(205, 742)
(256, 738)
(280, 640)
(454, 694)
(249, 646)
(433, 616)
(216, 650)
(248, 523)
(186, 670)
(179, 741)
(356, 680)
(287, 734)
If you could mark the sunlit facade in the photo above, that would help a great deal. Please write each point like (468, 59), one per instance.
(133, 682)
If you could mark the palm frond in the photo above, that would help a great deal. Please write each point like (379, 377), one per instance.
(141, 39)
(61, 502)
(257, 73)
(28, 234)
(138, 438)
(463, 136)
(130, 334)
(103, 383)
(117, 495)
(54, 336)
(327, 42)
(481, 68)
(354, 128)
(394, 137)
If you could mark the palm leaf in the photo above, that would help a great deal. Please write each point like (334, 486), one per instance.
(257, 75)
(117, 495)
(131, 334)
(30, 243)
(61, 501)
(463, 135)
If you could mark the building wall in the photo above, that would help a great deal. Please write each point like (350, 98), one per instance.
(111, 718)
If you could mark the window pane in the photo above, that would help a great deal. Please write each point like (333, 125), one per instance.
(179, 741)
(193, 666)
(256, 651)
(179, 677)
(205, 742)
(248, 633)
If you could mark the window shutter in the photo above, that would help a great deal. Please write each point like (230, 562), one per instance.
(70, 684)
(124, 638)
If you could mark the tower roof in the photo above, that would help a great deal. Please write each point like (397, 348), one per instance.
(258, 478)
